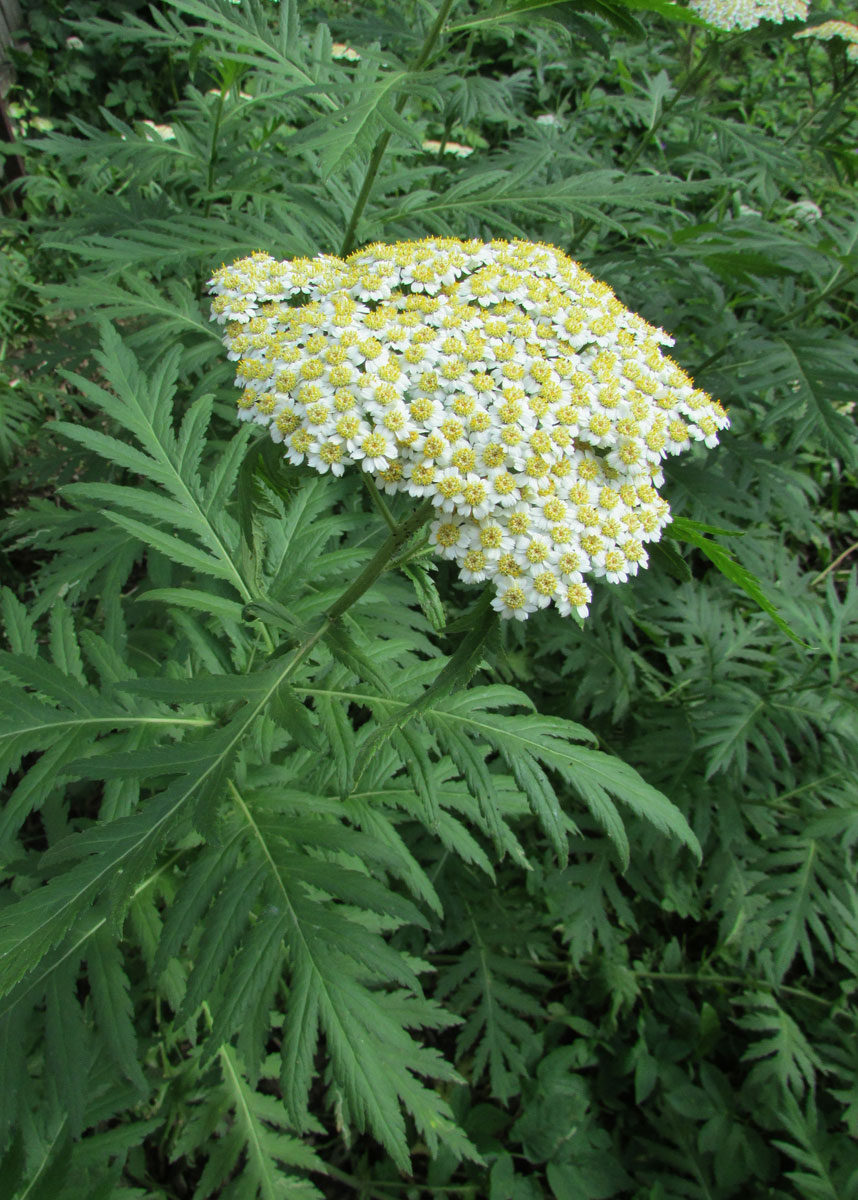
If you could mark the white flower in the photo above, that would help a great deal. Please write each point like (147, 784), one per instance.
(449, 536)
(747, 14)
(326, 456)
(375, 451)
(500, 380)
(491, 538)
(455, 148)
(448, 489)
(474, 566)
(824, 33)
(806, 210)
(340, 50)
(476, 498)
(515, 601)
(504, 488)
(577, 596)
(164, 132)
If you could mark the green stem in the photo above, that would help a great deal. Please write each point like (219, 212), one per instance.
(382, 143)
(750, 982)
(831, 566)
(213, 150)
(379, 562)
(367, 1188)
(838, 96)
(692, 77)
(359, 1185)
(379, 501)
(445, 137)
(33, 981)
(834, 285)
(731, 981)
(376, 565)
(210, 174)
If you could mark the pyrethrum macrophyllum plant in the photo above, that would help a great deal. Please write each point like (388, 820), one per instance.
(314, 863)
(510, 373)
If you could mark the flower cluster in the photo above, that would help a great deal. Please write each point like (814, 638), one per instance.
(499, 379)
(747, 14)
(831, 29)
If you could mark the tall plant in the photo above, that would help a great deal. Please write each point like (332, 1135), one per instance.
(314, 870)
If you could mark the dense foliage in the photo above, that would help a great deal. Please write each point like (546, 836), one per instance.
(317, 881)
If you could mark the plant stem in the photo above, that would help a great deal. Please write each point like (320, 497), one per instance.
(398, 535)
(831, 566)
(378, 501)
(377, 564)
(834, 285)
(359, 1185)
(731, 981)
(210, 173)
(382, 143)
(838, 96)
(749, 982)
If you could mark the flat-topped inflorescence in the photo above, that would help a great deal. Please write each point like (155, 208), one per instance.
(834, 29)
(501, 380)
(748, 14)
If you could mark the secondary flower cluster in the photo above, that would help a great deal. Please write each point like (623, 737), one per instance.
(831, 29)
(499, 379)
(747, 14)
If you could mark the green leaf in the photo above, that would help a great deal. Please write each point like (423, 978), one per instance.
(205, 602)
(244, 1135)
(143, 407)
(781, 1053)
(663, 555)
(333, 958)
(292, 716)
(428, 598)
(686, 530)
(177, 549)
(67, 1043)
(339, 738)
(113, 1005)
(512, 11)
(497, 993)
(456, 673)
(18, 624)
(530, 742)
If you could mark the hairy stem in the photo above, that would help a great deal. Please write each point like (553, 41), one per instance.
(731, 981)
(379, 561)
(379, 501)
(375, 567)
(691, 78)
(751, 982)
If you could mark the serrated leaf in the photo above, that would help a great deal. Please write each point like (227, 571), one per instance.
(113, 1006)
(427, 593)
(291, 715)
(685, 530)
